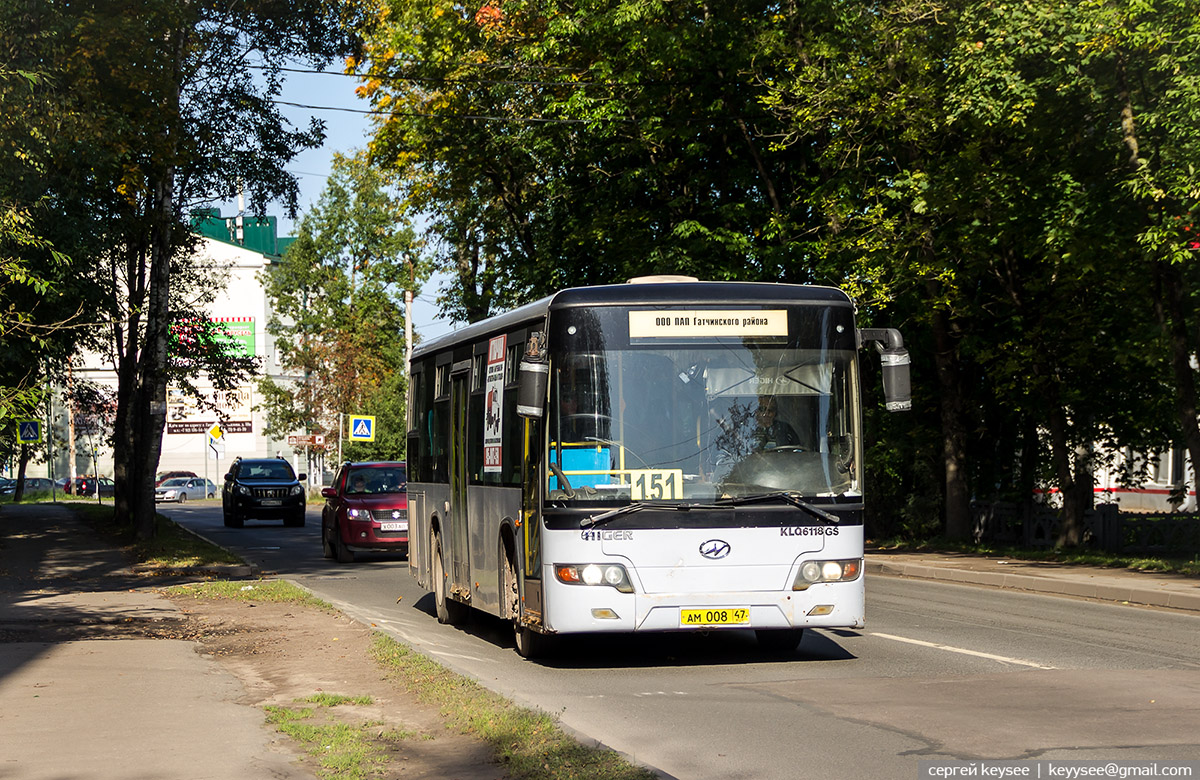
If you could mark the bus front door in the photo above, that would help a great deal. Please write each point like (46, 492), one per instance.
(459, 536)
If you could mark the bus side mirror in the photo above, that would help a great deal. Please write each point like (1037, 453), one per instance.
(894, 360)
(532, 376)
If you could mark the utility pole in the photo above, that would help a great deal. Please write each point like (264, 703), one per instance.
(408, 346)
(71, 466)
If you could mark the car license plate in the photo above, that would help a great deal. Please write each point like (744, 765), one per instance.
(393, 526)
(719, 616)
(272, 502)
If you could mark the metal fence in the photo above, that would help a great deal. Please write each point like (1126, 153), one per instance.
(1106, 528)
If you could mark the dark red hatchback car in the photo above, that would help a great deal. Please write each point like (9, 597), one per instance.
(365, 509)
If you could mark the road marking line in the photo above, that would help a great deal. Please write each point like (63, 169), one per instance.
(440, 654)
(963, 651)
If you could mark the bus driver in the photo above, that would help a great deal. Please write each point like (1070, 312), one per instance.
(771, 432)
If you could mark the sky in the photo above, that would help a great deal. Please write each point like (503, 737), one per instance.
(345, 132)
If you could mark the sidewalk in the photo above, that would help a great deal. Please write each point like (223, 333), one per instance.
(1058, 579)
(75, 704)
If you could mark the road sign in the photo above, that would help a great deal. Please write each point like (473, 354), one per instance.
(29, 431)
(306, 440)
(215, 432)
(362, 428)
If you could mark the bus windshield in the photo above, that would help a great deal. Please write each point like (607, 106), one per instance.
(702, 422)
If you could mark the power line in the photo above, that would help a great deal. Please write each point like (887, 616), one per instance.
(520, 119)
(387, 77)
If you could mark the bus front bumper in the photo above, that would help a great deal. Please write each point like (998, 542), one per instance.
(577, 609)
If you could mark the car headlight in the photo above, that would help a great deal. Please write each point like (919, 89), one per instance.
(297, 490)
(813, 572)
(611, 574)
(243, 490)
(358, 514)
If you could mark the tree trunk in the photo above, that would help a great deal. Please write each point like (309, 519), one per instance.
(127, 341)
(1070, 532)
(19, 493)
(1172, 318)
(152, 367)
(954, 430)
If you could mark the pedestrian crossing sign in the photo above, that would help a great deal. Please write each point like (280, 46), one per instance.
(29, 431)
(362, 428)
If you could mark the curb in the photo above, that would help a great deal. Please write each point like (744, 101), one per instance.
(230, 570)
(1024, 582)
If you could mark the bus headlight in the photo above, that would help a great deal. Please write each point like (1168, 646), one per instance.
(812, 572)
(610, 574)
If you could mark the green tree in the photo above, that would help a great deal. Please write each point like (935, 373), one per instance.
(1005, 181)
(560, 144)
(337, 297)
(152, 108)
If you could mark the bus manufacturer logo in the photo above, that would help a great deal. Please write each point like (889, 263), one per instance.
(714, 549)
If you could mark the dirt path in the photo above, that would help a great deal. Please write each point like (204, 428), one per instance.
(285, 653)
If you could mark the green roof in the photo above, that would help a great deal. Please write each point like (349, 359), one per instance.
(258, 234)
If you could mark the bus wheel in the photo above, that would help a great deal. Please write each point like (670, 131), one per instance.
(448, 611)
(779, 640)
(531, 644)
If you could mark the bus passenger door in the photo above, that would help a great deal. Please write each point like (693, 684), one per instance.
(457, 539)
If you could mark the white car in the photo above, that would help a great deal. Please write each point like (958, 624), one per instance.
(182, 488)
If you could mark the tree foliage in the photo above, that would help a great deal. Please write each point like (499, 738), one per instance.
(337, 297)
(1011, 183)
(146, 110)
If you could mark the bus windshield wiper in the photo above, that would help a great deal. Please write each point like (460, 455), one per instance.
(592, 522)
(784, 495)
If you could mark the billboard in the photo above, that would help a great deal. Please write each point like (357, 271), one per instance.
(233, 410)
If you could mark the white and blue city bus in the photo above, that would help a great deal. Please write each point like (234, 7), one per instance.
(663, 455)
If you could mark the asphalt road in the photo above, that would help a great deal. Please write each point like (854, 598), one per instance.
(940, 672)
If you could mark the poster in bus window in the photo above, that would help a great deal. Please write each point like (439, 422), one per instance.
(493, 406)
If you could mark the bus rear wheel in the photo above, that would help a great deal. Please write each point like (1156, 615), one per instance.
(779, 640)
(449, 612)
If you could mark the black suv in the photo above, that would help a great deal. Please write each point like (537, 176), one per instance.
(263, 488)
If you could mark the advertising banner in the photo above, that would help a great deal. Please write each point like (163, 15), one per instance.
(493, 410)
(233, 410)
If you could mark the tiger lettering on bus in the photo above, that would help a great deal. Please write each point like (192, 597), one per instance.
(607, 535)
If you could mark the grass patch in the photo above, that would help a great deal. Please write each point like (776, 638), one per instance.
(333, 700)
(171, 548)
(1183, 565)
(279, 591)
(529, 744)
(344, 751)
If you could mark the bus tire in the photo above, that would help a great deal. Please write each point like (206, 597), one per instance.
(532, 644)
(779, 640)
(449, 612)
